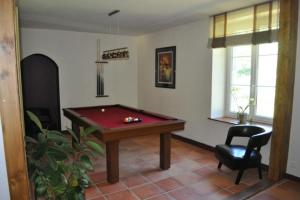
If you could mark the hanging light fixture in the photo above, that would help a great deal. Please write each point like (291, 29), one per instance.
(113, 12)
(118, 53)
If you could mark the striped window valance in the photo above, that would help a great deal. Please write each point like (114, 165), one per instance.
(252, 25)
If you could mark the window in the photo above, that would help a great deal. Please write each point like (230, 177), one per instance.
(244, 43)
(251, 80)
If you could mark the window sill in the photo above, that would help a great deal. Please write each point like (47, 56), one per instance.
(233, 121)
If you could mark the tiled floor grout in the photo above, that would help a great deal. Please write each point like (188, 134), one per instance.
(135, 196)
(151, 182)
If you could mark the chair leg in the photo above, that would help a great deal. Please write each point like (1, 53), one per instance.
(239, 176)
(219, 165)
(259, 171)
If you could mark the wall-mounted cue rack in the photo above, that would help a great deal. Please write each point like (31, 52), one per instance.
(100, 73)
(100, 78)
(116, 54)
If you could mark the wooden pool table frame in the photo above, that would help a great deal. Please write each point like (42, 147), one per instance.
(112, 136)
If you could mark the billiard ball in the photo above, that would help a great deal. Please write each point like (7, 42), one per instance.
(127, 119)
(102, 110)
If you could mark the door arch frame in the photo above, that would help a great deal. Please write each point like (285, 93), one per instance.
(57, 80)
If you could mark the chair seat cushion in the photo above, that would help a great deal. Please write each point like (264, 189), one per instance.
(235, 151)
(233, 156)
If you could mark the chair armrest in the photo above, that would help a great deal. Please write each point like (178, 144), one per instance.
(257, 141)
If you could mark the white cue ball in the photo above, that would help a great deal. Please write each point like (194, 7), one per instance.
(102, 110)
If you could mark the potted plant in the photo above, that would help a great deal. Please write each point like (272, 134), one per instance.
(58, 170)
(242, 116)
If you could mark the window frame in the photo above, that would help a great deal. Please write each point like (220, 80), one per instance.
(253, 85)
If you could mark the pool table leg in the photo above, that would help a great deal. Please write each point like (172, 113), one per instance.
(76, 130)
(165, 150)
(112, 161)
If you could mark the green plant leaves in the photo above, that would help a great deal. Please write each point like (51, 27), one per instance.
(35, 119)
(73, 181)
(39, 150)
(73, 135)
(60, 188)
(89, 152)
(42, 138)
(57, 154)
(56, 136)
(40, 185)
(96, 147)
(41, 189)
(38, 180)
(58, 169)
(52, 162)
(85, 181)
(30, 140)
(86, 162)
(54, 177)
(89, 130)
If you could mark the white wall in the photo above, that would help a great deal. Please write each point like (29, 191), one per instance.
(192, 97)
(191, 100)
(218, 82)
(4, 190)
(75, 54)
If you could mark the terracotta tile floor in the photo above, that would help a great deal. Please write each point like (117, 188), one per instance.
(283, 190)
(193, 174)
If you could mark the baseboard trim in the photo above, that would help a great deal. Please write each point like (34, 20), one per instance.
(193, 142)
(292, 177)
(211, 148)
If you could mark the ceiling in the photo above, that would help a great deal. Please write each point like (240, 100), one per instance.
(137, 17)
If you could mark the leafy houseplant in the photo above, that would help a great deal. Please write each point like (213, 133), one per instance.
(56, 169)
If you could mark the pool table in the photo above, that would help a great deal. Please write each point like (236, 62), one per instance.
(109, 120)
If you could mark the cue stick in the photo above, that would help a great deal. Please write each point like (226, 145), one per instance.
(100, 78)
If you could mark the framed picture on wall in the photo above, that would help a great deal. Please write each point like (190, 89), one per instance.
(165, 67)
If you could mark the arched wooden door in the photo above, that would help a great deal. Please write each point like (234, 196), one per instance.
(40, 86)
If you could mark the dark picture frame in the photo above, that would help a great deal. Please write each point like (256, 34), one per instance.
(165, 67)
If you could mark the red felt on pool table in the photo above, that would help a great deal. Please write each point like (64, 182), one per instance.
(113, 117)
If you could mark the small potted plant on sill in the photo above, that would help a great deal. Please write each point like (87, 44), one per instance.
(242, 116)
(58, 170)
